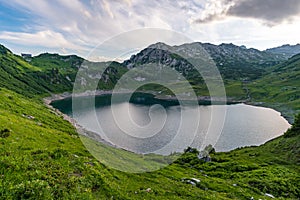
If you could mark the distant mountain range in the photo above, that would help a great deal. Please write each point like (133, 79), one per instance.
(286, 50)
(234, 62)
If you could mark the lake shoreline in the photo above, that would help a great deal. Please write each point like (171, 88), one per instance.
(81, 130)
(84, 132)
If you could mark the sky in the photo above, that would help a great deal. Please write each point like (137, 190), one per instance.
(77, 27)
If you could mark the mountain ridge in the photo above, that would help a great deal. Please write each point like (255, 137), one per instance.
(226, 56)
(285, 50)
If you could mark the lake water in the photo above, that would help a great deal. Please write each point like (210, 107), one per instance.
(149, 125)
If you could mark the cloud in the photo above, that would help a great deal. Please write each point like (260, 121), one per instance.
(89, 23)
(78, 26)
(271, 12)
(45, 38)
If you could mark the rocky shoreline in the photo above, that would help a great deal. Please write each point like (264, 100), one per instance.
(81, 130)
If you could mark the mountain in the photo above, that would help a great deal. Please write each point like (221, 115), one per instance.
(68, 66)
(42, 155)
(234, 62)
(50, 73)
(286, 50)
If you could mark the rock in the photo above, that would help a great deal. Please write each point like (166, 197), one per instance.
(195, 180)
(270, 195)
(192, 181)
(39, 123)
(234, 184)
(89, 163)
(31, 117)
(28, 116)
(204, 154)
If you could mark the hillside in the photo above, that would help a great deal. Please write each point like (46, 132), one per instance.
(42, 157)
(68, 66)
(49, 73)
(18, 75)
(280, 88)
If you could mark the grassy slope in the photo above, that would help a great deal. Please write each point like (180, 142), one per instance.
(18, 75)
(67, 65)
(280, 88)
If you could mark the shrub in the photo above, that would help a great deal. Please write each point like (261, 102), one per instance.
(4, 133)
(35, 189)
(295, 129)
(59, 153)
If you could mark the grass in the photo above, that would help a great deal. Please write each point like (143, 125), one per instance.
(127, 161)
(279, 89)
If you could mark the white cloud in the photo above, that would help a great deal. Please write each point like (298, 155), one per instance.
(93, 23)
(82, 25)
(45, 38)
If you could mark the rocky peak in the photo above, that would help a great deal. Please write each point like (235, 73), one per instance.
(159, 45)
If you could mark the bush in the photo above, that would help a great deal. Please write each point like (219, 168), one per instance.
(35, 189)
(4, 133)
(59, 153)
(295, 129)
